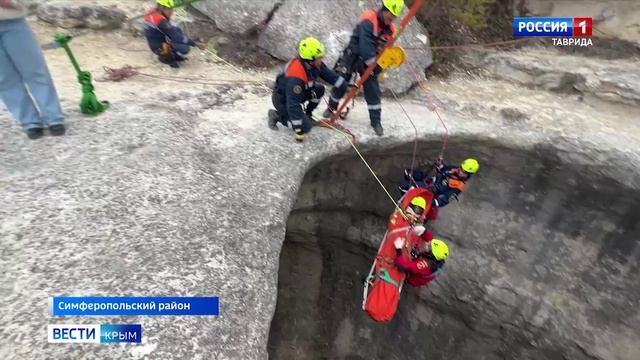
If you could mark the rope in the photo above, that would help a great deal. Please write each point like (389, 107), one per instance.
(395, 204)
(433, 107)
(120, 74)
(128, 71)
(415, 142)
(235, 68)
(471, 46)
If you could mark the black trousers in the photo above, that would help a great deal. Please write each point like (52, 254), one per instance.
(312, 99)
(371, 87)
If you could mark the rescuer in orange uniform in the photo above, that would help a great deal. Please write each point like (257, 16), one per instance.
(166, 40)
(296, 85)
(369, 37)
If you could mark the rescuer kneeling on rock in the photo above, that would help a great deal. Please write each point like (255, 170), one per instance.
(424, 264)
(449, 181)
(165, 40)
(296, 85)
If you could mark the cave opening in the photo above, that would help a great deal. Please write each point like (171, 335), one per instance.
(543, 263)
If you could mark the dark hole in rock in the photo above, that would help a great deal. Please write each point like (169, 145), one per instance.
(543, 263)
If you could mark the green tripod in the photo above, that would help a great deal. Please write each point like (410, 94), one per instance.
(89, 104)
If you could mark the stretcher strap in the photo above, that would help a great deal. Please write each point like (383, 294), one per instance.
(383, 275)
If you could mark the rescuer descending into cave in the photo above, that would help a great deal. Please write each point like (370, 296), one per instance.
(447, 182)
(425, 261)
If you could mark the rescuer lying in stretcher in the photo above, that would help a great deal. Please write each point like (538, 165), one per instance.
(426, 260)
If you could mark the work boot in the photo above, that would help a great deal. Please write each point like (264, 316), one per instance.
(57, 130)
(328, 113)
(312, 120)
(169, 61)
(378, 129)
(34, 133)
(272, 122)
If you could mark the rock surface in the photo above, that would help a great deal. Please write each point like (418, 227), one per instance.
(71, 14)
(180, 189)
(293, 22)
(237, 16)
(614, 80)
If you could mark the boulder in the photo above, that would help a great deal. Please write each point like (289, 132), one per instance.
(237, 16)
(614, 80)
(291, 22)
(69, 14)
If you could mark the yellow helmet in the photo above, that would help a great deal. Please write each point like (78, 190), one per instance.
(167, 3)
(470, 165)
(310, 49)
(419, 201)
(439, 249)
(394, 6)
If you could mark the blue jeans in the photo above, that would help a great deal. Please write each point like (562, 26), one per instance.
(26, 87)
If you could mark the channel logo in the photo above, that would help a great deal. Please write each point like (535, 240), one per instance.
(96, 334)
(533, 26)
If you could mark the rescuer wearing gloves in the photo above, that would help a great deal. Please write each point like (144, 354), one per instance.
(369, 37)
(449, 181)
(426, 260)
(296, 85)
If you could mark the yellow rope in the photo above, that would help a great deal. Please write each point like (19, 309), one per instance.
(395, 204)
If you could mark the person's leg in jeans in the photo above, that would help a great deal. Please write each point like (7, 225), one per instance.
(12, 88)
(21, 48)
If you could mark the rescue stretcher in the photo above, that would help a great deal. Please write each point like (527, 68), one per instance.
(383, 285)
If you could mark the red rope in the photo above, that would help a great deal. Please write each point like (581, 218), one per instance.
(445, 138)
(470, 46)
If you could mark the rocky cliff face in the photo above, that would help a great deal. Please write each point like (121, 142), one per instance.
(612, 80)
(288, 21)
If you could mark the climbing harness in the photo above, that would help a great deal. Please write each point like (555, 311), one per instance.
(403, 24)
(89, 104)
(393, 57)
